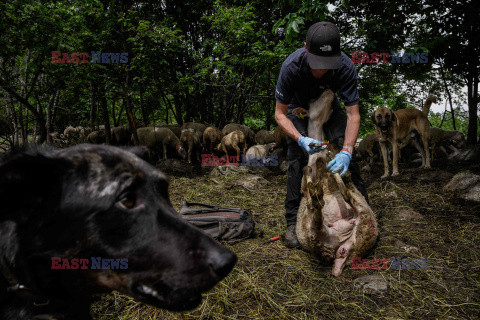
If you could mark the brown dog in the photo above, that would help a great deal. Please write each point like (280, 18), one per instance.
(399, 128)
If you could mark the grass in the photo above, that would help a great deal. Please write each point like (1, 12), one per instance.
(273, 282)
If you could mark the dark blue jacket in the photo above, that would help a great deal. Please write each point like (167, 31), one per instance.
(296, 86)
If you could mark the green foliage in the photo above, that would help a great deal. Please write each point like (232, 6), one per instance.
(212, 61)
(461, 120)
(294, 23)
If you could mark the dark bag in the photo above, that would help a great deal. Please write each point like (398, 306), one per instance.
(221, 223)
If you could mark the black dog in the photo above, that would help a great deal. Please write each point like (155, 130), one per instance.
(96, 201)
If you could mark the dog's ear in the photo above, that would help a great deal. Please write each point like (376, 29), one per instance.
(29, 180)
(372, 117)
(393, 116)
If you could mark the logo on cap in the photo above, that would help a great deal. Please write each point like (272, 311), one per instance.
(326, 48)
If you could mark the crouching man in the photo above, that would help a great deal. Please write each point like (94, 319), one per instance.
(304, 75)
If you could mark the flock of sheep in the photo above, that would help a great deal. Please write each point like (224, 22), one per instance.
(187, 141)
(190, 140)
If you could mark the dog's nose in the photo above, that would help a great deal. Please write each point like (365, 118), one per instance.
(222, 262)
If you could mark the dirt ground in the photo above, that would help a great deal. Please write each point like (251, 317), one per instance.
(273, 282)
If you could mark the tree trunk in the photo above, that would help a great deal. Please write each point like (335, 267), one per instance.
(167, 114)
(92, 106)
(225, 111)
(12, 119)
(24, 101)
(54, 110)
(120, 113)
(21, 123)
(27, 123)
(128, 109)
(444, 113)
(35, 130)
(449, 96)
(142, 106)
(49, 119)
(106, 120)
(472, 92)
(177, 112)
(114, 118)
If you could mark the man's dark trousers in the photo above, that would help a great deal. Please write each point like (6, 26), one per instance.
(334, 130)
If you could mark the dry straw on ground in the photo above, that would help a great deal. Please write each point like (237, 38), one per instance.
(273, 282)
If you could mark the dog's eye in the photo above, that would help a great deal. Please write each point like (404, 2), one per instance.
(127, 200)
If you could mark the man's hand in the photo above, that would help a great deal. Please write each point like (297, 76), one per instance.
(306, 143)
(340, 163)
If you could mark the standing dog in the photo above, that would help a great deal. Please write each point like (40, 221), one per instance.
(93, 201)
(399, 128)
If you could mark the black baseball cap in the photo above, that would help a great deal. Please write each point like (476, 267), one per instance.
(323, 45)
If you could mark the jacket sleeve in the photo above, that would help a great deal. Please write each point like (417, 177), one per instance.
(285, 85)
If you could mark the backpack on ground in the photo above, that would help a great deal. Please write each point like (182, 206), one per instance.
(221, 223)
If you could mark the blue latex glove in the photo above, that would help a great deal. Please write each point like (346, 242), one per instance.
(340, 163)
(304, 143)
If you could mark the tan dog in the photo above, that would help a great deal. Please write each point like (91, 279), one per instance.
(399, 128)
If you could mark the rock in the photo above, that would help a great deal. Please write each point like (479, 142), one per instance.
(406, 213)
(259, 170)
(432, 176)
(465, 185)
(405, 247)
(467, 154)
(252, 182)
(390, 195)
(284, 166)
(462, 181)
(366, 168)
(227, 170)
(371, 284)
